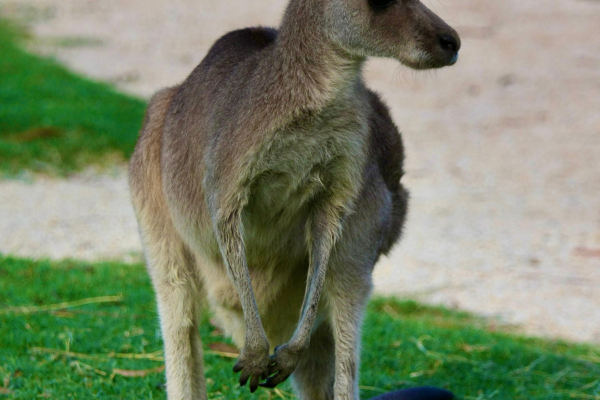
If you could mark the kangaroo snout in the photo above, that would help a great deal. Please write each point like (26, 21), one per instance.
(450, 44)
(402, 29)
(439, 43)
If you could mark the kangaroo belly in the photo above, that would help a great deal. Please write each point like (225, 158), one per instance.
(277, 255)
(279, 306)
(278, 283)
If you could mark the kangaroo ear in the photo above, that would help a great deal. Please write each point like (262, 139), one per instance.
(381, 3)
(423, 393)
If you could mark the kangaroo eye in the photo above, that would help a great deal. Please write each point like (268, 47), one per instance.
(381, 3)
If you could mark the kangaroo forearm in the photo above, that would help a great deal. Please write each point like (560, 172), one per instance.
(311, 304)
(324, 232)
(240, 276)
(233, 251)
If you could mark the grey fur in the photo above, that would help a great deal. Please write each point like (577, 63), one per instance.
(268, 184)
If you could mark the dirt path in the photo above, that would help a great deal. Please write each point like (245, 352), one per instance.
(503, 149)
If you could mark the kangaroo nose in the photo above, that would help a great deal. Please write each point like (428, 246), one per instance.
(449, 43)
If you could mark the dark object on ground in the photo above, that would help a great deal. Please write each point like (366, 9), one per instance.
(422, 393)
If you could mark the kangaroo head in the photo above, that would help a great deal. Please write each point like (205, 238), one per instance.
(402, 29)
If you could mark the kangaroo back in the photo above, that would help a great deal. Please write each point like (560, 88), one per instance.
(145, 167)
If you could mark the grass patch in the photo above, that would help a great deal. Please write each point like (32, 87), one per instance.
(107, 344)
(53, 121)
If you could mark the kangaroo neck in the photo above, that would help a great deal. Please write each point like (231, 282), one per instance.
(306, 60)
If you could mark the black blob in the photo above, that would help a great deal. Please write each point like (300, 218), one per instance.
(423, 393)
(379, 4)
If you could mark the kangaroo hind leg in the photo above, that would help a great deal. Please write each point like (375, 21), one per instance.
(314, 377)
(179, 298)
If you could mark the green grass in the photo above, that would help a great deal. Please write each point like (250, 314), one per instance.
(405, 344)
(53, 121)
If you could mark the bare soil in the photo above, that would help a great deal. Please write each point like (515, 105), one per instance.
(503, 149)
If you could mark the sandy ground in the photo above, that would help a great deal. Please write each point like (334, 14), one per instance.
(503, 149)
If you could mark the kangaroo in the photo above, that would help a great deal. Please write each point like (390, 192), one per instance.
(267, 185)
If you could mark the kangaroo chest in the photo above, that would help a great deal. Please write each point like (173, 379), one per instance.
(315, 159)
